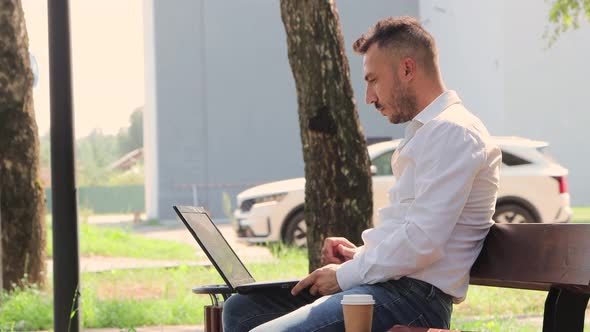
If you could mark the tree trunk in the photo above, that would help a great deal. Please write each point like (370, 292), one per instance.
(22, 204)
(338, 196)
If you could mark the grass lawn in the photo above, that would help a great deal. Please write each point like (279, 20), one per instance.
(581, 215)
(122, 242)
(130, 298)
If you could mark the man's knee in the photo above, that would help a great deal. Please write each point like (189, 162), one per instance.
(244, 312)
(231, 312)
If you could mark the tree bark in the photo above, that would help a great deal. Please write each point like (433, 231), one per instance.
(338, 196)
(22, 204)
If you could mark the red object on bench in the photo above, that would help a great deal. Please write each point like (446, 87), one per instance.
(213, 312)
(213, 318)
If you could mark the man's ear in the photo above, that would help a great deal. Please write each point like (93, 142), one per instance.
(408, 69)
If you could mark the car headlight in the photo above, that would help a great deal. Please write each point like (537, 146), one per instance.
(247, 204)
(270, 198)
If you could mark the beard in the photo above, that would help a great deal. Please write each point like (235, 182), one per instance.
(403, 99)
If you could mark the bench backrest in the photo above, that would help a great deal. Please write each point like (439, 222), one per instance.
(535, 256)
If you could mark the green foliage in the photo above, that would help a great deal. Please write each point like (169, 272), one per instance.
(95, 152)
(133, 176)
(25, 309)
(131, 138)
(565, 14)
(117, 242)
(74, 309)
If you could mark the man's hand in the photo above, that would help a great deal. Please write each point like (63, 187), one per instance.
(337, 250)
(321, 281)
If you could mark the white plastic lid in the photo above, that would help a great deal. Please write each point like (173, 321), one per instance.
(357, 299)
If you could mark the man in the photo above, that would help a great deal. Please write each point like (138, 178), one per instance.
(416, 262)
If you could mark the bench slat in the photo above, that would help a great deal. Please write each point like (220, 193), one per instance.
(535, 256)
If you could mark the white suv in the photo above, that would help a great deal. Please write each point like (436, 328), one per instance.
(533, 188)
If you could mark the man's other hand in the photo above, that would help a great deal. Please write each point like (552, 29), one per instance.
(321, 281)
(337, 250)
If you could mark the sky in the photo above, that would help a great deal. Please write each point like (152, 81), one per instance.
(107, 62)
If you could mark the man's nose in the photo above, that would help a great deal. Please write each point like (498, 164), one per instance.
(370, 97)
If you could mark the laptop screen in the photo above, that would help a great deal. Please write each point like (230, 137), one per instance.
(216, 247)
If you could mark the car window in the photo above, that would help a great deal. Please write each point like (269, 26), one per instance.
(509, 159)
(383, 164)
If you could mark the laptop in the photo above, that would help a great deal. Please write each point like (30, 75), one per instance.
(222, 256)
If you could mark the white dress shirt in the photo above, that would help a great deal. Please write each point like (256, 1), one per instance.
(441, 206)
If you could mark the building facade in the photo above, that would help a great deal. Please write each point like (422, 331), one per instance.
(221, 107)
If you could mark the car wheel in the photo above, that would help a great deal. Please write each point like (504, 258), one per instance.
(296, 231)
(512, 214)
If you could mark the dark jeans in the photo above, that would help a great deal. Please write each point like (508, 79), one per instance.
(406, 301)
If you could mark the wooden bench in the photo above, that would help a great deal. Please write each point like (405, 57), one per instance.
(547, 257)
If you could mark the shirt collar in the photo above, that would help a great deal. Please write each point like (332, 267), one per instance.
(437, 106)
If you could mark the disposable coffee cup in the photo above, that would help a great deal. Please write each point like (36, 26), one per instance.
(358, 312)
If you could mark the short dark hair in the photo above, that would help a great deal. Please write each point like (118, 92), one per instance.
(403, 34)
